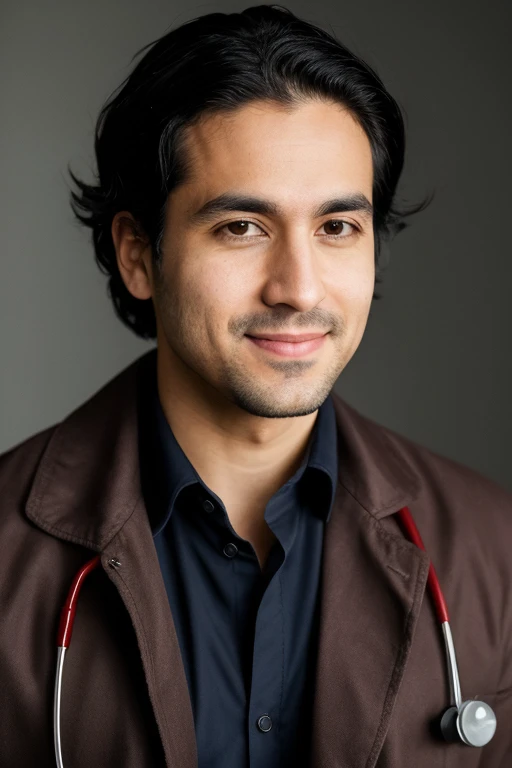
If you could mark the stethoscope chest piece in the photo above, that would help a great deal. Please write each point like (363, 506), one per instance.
(473, 723)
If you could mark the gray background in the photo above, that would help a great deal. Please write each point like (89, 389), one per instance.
(434, 363)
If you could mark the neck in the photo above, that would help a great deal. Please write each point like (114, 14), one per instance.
(244, 459)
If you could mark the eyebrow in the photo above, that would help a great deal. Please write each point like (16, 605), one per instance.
(356, 201)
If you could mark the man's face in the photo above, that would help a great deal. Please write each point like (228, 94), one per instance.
(235, 273)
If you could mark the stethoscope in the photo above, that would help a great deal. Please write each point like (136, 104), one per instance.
(470, 722)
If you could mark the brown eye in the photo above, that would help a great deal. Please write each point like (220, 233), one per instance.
(238, 227)
(235, 230)
(337, 227)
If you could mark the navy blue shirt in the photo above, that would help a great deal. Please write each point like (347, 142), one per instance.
(247, 634)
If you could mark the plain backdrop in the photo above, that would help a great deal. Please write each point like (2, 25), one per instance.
(435, 360)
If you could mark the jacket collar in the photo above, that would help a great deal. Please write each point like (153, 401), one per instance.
(88, 484)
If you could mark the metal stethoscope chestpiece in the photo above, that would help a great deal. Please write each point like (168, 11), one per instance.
(473, 723)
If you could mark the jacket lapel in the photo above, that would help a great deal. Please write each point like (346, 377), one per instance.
(140, 584)
(87, 490)
(373, 583)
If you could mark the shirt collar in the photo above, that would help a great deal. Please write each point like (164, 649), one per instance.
(166, 470)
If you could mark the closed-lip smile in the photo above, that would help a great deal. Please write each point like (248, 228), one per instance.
(289, 337)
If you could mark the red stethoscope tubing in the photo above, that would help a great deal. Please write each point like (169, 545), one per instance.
(67, 615)
(69, 609)
(412, 532)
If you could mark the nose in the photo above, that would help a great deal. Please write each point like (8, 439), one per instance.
(295, 274)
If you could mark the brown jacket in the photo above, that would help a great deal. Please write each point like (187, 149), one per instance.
(73, 490)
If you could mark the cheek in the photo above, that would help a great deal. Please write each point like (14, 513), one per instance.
(356, 281)
(353, 294)
(208, 296)
(223, 282)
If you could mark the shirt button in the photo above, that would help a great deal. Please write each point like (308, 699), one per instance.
(230, 550)
(208, 506)
(264, 723)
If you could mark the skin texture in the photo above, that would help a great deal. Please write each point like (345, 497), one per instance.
(243, 415)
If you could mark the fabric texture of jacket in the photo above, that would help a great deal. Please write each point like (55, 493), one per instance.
(73, 490)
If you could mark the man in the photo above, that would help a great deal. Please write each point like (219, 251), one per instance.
(256, 601)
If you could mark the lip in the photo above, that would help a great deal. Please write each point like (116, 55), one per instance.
(295, 338)
(287, 348)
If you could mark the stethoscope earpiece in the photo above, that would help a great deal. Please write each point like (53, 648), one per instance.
(473, 723)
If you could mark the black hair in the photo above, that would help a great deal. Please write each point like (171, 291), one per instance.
(219, 62)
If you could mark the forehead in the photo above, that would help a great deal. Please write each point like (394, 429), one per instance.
(297, 153)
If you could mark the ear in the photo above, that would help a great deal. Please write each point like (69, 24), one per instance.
(133, 253)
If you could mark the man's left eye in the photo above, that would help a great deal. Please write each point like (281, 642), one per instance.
(340, 224)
